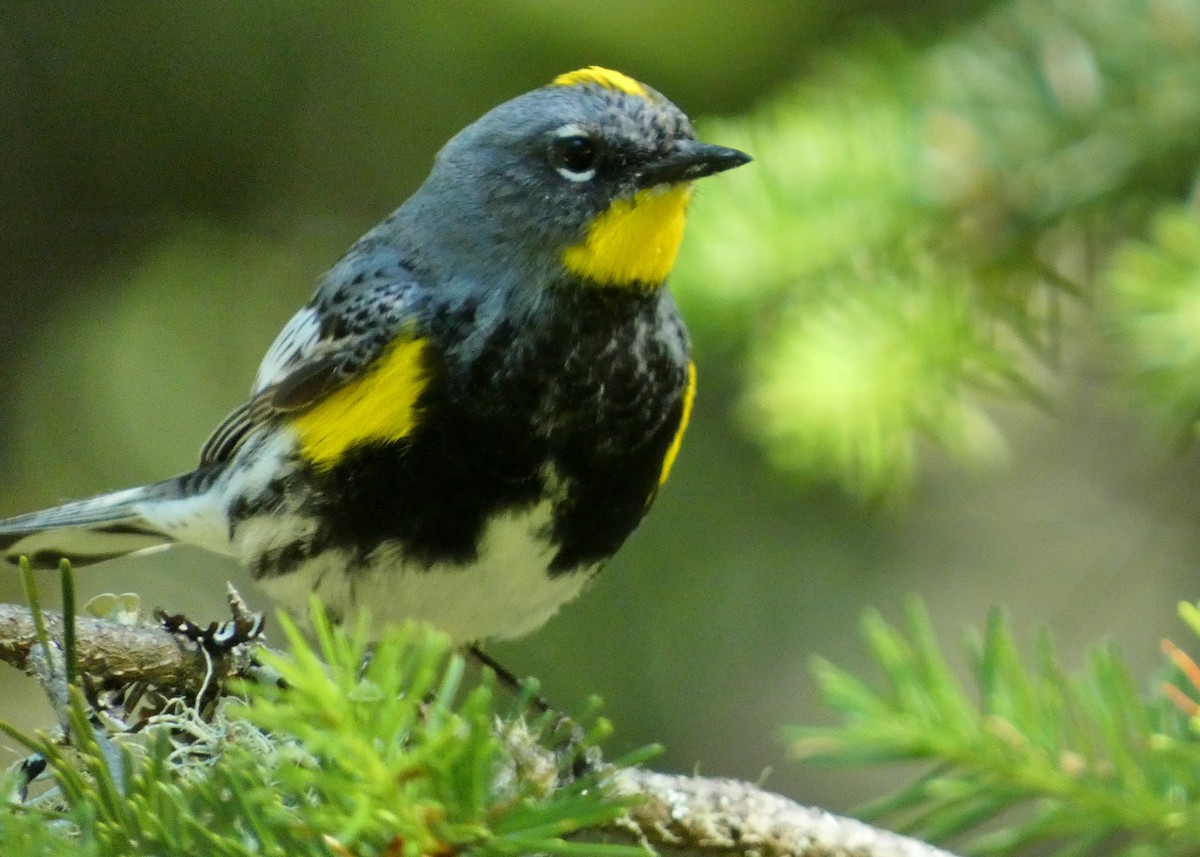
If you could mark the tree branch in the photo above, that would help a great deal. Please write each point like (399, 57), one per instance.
(119, 652)
(676, 814)
(709, 815)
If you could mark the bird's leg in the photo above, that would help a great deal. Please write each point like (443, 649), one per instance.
(514, 685)
(579, 760)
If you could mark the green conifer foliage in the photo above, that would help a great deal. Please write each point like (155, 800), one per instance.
(917, 225)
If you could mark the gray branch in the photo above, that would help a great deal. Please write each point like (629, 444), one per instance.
(123, 653)
(707, 815)
(676, 815)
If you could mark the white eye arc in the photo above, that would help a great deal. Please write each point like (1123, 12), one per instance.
(585, 176)
(574, 153)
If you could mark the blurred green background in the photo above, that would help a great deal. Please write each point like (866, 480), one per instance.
(937, 349)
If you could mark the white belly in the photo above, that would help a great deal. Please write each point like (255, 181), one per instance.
(505, 593)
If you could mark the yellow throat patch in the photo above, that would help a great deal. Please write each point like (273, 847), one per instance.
(635, 241)
(377, 407)
(605, 77)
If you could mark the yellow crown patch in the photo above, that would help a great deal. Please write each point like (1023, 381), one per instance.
(605, 77)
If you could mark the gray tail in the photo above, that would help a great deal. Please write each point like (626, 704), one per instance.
(87, 531)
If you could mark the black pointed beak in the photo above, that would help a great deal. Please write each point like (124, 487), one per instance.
(690, 159)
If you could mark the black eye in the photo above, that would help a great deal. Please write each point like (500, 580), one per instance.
(574, 156)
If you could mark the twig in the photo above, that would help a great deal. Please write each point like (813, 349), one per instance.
(708, 815)
(677, 814)
(118, 652)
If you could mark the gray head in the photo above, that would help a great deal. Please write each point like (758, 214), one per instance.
(585, 179)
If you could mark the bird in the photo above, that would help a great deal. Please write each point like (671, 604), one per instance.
(480, 401)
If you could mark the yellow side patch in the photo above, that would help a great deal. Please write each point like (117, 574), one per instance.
(689, 397)
(605, 77)
(378, 407)
(635, 241)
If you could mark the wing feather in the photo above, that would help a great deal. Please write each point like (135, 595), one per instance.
(299, 337)
(352, 318)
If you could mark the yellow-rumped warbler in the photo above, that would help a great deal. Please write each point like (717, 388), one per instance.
(480, 401)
